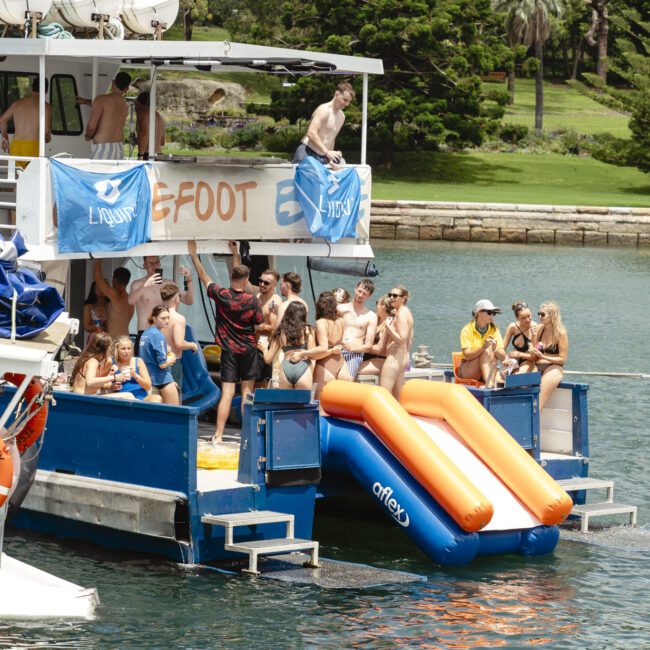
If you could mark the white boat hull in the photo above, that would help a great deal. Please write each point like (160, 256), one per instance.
(28, 592)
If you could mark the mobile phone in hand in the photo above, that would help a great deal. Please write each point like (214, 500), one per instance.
(159, 271)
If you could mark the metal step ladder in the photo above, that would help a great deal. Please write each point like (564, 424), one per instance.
(602, 509)
(256, 548)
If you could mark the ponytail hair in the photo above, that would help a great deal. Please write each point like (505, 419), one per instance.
(155, 312)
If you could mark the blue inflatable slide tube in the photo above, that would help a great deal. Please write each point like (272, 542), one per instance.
(352, 449)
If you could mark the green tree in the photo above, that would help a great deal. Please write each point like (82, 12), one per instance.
(192, 11)
(632, 65)
(433, 53)
(529, 22)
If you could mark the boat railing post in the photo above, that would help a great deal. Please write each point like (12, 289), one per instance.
(364, 119)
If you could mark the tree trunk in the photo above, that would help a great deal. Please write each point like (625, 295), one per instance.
(188, 24)
(602, 34)
(511, 86)
(539, 87)
(577, 57)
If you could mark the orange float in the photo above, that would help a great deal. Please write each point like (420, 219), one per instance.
(491, 443)
(34, 427)
(6, 472)
(412, 447)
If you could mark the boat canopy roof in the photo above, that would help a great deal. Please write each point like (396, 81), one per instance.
(205, 55)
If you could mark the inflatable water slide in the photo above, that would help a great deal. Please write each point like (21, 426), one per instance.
(443, 469)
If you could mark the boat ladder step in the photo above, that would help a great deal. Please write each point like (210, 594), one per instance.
(256, 548)
(585, 483)
(584, 512)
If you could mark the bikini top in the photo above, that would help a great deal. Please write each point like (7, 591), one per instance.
(551, 349)
(288, 348)
(526, 344)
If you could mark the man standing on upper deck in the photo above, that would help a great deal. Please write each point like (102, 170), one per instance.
(24, 112)
(145, 292)
(142, 126)
(107, 118)
(326, 122)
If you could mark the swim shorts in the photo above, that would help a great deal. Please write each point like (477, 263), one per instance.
(305, 150)
(241, 366)
(107, 151)
(23, 148)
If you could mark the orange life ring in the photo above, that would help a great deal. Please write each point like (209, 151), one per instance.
(30, 433)
(6, 472)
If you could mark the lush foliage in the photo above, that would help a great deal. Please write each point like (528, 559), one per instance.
(433, 52)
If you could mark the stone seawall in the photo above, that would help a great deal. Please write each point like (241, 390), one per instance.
(510, 223)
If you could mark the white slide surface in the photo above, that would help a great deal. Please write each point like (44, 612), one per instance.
(509, 512)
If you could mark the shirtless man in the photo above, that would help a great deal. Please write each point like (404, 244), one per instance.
(326, 122)
(145, 293)
(290, 289)
(175, 333)
(359, 327)
(120, 311)
(399, 338)
(142, 127)
(107, 118)
(24, 113)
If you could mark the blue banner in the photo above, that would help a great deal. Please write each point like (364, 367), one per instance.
(99, 211)
(329, 200)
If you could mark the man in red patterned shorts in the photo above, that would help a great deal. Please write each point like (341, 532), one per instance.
(238, 312)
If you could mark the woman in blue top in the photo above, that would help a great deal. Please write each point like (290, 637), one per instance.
(132, 375)
(153, 350)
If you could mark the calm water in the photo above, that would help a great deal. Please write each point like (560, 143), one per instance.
(585, 595)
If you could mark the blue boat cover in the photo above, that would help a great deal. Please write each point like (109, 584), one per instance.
(99, 211)
(329, 199)
(37, 304)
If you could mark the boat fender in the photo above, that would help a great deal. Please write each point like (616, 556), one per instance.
(34, 427)
(6, 472)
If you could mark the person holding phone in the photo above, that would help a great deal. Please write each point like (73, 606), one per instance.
(145, 292)
(325, 124)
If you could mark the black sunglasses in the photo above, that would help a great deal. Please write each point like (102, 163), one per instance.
(395, 295)
(263, 282)
(489, 312)
(541, 314)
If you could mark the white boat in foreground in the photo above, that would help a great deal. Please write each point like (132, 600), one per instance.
(27, 592)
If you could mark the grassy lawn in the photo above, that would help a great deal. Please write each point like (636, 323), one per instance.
(511, 178)
(564, 108)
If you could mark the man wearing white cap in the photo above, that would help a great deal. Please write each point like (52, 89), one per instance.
(482, 345)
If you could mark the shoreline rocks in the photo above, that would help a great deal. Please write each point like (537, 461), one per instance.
(510, 223)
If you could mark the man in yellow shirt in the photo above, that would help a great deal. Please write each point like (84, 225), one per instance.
(482, 345)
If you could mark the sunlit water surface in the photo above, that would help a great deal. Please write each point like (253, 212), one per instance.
(591, 593)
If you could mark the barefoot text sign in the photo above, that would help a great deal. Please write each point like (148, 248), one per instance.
(220, 202)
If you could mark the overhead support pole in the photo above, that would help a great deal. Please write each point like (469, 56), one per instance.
(152, 114)
(95, 70)
(364, 119)
(41, 106)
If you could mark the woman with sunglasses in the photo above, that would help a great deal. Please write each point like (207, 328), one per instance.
(481, 345)
(550, 350)
(521, 334)
(399, 338)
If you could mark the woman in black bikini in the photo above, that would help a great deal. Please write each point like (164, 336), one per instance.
(521, 334)
(551, 350)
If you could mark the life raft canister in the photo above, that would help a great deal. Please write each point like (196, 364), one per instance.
(30, 433)
(6, 472)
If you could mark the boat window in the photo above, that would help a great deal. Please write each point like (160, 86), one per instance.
(13, 86)
(66, 114)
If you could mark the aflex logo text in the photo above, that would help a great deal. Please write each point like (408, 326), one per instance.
(398, 513)
(107, 190)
